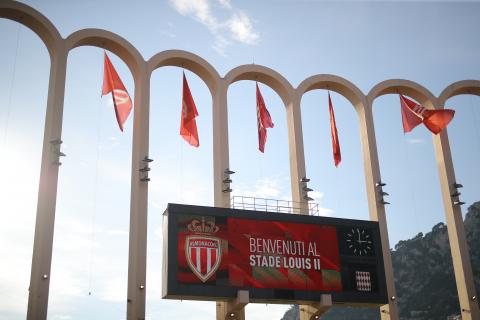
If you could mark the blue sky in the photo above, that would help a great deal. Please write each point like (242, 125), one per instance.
(432, 43)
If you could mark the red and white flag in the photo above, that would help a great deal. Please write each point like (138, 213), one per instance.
(188, 126)
(121, 98)
(264, 121)
(337, 156)
(413, 114)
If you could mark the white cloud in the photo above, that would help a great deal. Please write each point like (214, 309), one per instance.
(237, 28)
(415, 141)
(241, 28)
(117, 232)
(225, 3)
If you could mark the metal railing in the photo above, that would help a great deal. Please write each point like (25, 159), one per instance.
(273, 205)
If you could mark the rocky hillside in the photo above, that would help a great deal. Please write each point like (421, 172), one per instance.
(423, 273)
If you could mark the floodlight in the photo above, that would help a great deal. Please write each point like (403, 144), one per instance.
(147, 159)
(458, 203)
(56, 141)
(304, 180)
(380, 184)
(228, 171)
(455, 194)
(457, 185)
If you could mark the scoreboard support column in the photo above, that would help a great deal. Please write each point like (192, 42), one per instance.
(235, 309)
(314, 311)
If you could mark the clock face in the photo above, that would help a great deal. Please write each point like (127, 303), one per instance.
(359, 241)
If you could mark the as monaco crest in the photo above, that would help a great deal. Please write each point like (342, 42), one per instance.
(202, 250)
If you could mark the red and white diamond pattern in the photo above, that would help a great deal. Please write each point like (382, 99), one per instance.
(363, 281)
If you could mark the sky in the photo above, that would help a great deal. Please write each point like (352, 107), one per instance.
(431, 43)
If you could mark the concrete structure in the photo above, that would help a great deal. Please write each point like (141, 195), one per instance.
(141, 70)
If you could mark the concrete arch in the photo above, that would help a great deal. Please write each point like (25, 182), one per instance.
(405, 87)
(458, 88)
(110, 41)
(189, 61)
(34, 20)
(265, 75)
(331, 82)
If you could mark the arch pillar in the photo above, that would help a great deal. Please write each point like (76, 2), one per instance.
(376, 208)
(297, 171)
(456, 232)
(220, 163)
(220, 144)
(47, 192)
(137, 249)
(296, 151)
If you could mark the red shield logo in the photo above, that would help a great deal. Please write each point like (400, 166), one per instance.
(203, 255)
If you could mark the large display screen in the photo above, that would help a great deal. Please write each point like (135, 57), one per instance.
(210, 253)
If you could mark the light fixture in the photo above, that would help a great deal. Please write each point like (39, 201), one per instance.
(304, 180)
(45, 276)
(144, 169)
(227, 190)
(227, 180)
(60, 154)
(380, 184)
(458, 203)
(393, 298)
(228, 171)
(57, 163)
(317, 317)
(384, 202)
(146, 179)
(457, 185)
(455, 194)
(308, 198)
(142, 287)
(474, 298)
(56, 141)
(383, 193)
(147, 159)
(307, 189)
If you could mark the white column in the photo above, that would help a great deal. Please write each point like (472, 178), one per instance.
(297, 171)
(47, 193)
(220, 144)
(220, 163)
(137, 251)
(296, 151)
(456, 232)
(375, 206)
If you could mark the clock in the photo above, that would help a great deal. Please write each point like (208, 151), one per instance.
(359, 241)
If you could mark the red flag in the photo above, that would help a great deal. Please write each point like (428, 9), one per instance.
(188, 126)
(413, 114)
(337, 156)
(264, 121)
(120, 96)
